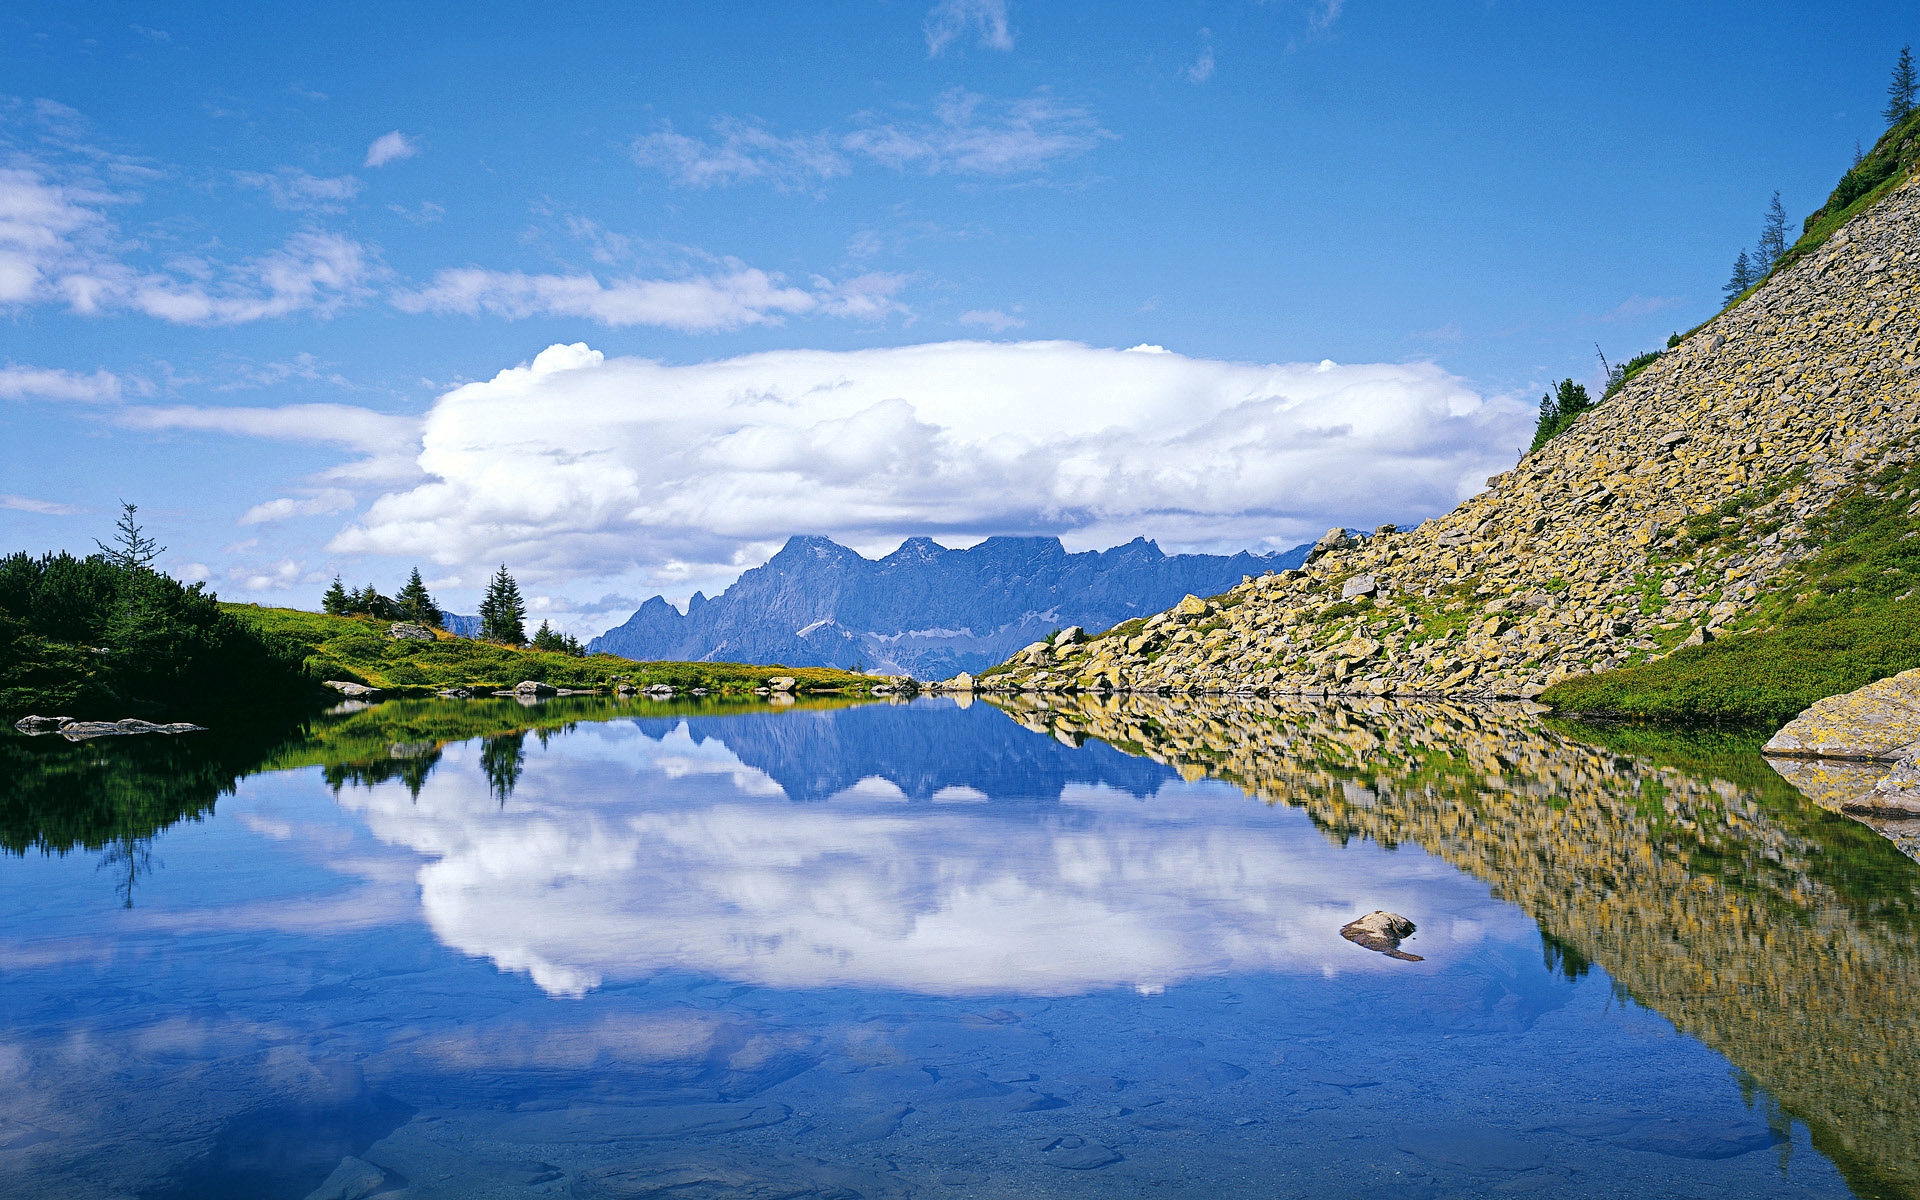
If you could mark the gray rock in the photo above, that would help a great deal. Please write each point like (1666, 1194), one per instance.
(1880, 721)
(1896, 795)
(356, 690)
(456, 693)
(1381, 931)
(404, 631)
(1359, 585)
(779, 683)
(533, 687)
(38, 725)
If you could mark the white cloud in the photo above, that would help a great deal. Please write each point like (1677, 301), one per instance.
(391, 147)
(971, 134)
(283, 508)
(297, 191)
(426, 213)
(1201, 69)
(738, 297)
(950, 20)
(39, 383)
(329, 424)
(743, 151)
(991, 318)
(579, 465)
(44, 507)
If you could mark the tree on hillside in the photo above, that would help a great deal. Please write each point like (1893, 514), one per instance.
(416, 603)
(548, 638)
(132, 553)
(1558, 409)
(503, 613)
(1904, 90)
(1743, 277)
(1773, 238)
(335, 601)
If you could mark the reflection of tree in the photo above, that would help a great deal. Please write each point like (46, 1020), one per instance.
(1784, 936)
(502, 758)
(131, 858)
(409, 762)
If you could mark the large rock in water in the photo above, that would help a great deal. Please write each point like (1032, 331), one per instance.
(1381, 931)
(923, 610)
(1879, 722)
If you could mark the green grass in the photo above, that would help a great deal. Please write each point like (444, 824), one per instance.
(1840, 620)
(357, 650)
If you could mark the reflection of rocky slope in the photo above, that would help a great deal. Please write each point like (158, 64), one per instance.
(923, 610)
(1662, 512)
(1782, 935)
(920, 748)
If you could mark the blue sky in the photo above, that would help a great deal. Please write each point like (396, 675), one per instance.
(864, 269)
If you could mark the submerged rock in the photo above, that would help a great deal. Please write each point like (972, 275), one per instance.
(1381, 930)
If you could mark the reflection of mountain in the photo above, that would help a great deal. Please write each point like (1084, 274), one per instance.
(1781, 935)
(924, 610)
(921, 748)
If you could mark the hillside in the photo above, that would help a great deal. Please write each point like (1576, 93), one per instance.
(923, 610)
(358, 650)
(1746, 499)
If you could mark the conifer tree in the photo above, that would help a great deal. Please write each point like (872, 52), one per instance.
(335, 601)
(132, 551)
(1904, 90)
(502, 612)
(416, 603)
(1743, 277)
(1773, 238)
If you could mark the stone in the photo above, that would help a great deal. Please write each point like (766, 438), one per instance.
(533, 687)
(963, 682)
(1359, 585)
(356, 690)
(1068, 636)
(406, 631)
(624, 689)
(1332, 540)
(40, 724)
(1880, 721)
(1381, 931)
(781, 683)
(1192, 606)
(1699, 637)
(1896, 795)
(455, 693)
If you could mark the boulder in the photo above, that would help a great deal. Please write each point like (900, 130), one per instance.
(1897, 795)
(1381, 931)
(780, 683)
(1192, 606)
(963, 682)
(1359, 585)
(624, 689)
(1880, 721)
(533, 687)
(456, 693)
(356, 690)
(40, 724)
(405, 631)
(1331, 541)
(1070, 635)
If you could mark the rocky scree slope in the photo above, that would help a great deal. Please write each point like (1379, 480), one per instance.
(1653, 522)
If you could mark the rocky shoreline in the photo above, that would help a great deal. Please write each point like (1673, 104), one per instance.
(79, 731)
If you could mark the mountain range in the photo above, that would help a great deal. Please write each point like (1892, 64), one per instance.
(923, 610)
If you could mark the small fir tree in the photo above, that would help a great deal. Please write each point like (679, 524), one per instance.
(1742, 278)
(1904, 90)
(1558, 409)
(1773, 238)
(503, 613)
(336, 601)
(416, 603)
(132, 552)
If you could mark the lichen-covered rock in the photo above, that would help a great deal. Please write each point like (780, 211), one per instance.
(1879, 722)
(1605, 547)
(406, 631)
(1897, 794)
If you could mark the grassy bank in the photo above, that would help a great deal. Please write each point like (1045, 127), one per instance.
(358, 650)
(1840, 619)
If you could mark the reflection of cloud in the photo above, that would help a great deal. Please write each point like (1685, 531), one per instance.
(620, 856)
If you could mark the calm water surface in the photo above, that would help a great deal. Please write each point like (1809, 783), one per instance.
(944, 950)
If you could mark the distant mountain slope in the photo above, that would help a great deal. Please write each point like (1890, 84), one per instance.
(924, 610)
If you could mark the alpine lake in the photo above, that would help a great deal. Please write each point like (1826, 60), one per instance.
(1085, 948)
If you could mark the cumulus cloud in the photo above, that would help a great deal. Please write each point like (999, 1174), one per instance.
(331, 500)
(742, 151)
(971, 134)
(577, 464)
(738, 296)
(297, 191)
(951, 20)
(391, 147)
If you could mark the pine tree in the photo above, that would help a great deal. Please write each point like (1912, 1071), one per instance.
(1742, 277)
(502, 612)
(335, 601)
(544, 638)
(1773, 238)
(132, 551)
(1558, 409)
(1903, 91)
(416, 603)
